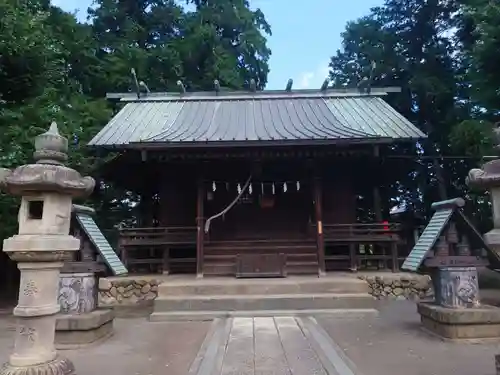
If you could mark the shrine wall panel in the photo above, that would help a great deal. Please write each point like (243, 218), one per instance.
(339, 202)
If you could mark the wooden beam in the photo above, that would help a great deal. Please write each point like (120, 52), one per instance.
(200, 222)
(318, 207)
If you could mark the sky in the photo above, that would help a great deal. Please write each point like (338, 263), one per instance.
(305, 35)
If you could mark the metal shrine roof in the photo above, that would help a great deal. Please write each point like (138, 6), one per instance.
(306, 116)
(445, 212)
(84, 217)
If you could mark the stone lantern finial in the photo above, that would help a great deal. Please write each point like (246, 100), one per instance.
(48, 173)
(51, 147)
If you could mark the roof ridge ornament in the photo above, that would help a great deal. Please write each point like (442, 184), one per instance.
(253, 85)
(181, 86)
(325, 84)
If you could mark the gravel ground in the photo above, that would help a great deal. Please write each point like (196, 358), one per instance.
(394, 344)
(391, 344)
(138, 347)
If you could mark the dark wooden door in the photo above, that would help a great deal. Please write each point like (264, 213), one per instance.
(261, 265)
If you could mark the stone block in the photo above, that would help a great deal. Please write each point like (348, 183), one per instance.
(456, 287)
(482, 322)
(77, 293)
(73, 331)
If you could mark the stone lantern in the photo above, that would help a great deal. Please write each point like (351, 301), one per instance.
(43, 243)
(488, 178)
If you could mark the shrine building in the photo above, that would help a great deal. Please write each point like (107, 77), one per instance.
(257, 183)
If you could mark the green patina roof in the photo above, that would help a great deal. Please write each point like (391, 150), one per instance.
(445, 212)
(226, 118)
(427, 240)
(101, 243)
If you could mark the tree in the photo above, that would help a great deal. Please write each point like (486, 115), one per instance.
(218, 40)
(38, 85)
(411, 42)
(479, 34)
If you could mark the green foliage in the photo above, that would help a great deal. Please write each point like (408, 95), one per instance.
(53, 68)
(480, 36)
(444, 56)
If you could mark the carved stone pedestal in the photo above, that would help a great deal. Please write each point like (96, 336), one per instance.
(80, 324)
(77, 331)
(58, 366)
(456, 313)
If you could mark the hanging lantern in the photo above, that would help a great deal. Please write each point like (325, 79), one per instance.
(285, 188)
(273, 189)
(239, 188)
(298, 185)
(214, 186)
(250, 189)
(262, 188)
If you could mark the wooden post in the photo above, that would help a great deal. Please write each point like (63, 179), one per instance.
(200, 222)
(377, 200)
(166, 261)
(394, 254)
(318, 206)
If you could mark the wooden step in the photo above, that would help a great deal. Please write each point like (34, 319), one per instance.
(244, 250)
(263, 302)
(291, 285)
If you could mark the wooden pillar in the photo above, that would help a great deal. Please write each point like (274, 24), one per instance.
(377, 200)
(318, 207)
(200, 223)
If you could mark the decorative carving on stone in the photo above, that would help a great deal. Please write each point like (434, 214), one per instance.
(467, 290)
(459, 287)
(38, 256)
(30, 289)
(28, 333)
(59, 366)
(77, 294)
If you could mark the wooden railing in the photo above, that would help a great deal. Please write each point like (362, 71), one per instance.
(369, 245)
(356, 245)
(148, 249)
(362, 232)
(157, 236)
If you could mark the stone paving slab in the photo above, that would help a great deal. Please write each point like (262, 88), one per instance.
(270, 346)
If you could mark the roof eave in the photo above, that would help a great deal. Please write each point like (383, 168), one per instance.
(260, 143)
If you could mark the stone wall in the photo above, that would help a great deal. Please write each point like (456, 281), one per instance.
(399, 286)
(127, 291)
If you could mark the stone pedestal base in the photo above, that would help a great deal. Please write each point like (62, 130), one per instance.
(75, 331)
(476, 323)
(59, 366)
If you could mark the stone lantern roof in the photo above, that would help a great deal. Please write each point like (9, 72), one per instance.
(48, 173)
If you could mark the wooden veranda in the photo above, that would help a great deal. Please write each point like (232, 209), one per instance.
(345, 247)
